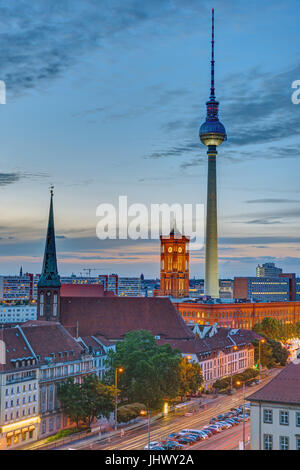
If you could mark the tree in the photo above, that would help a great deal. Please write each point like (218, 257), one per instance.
(70, 399)
(128, 412)
(277, 330)
(98, 399)
(151, 372)
(82, 403)
(266, 354)
(190, 377)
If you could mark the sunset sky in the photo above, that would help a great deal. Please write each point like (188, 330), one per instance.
(105, 98)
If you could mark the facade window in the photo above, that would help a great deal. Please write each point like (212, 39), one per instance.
(51, 423)
(297, 443)
(41, 304)
(284, 443)
(268, 416)
(298, 419)
(268, 441)
(284, 418)
(54, 305)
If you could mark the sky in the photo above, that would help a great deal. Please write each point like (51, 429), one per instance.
(105, 98)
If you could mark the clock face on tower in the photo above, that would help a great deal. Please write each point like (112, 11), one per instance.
(180, 250)
(170, 249)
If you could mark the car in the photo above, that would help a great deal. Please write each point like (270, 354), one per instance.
(220, 416)
(152, 444)
(216, 428)
(157, 448)
(185, 441)
(172, 445)
(211, 429)
(232, 421)
(208, 432)
(173, 435)
(213, 420)
(225, 425)
(199, 434)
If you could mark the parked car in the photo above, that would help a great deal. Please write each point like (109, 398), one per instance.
(208, 432)
(211, 429)
(152, 444)
(172, 445)
(220, 416)
(157, 448)
(213, 420)
(173, 435)
(225, 424)
(185, 441)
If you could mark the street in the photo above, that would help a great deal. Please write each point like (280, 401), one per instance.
(136, 439)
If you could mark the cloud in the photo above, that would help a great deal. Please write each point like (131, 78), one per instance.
(11, 178)
(272, 201)
(41, 40)
(266, 221)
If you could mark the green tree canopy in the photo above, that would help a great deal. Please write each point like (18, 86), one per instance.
(151, 372)
(84, 402)
(190, 376)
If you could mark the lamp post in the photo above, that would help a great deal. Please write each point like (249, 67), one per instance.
(260, 341)
(120, 370)
(244, 389)
(233, 348)
(144, 413)
(188, 358)
(239, 383)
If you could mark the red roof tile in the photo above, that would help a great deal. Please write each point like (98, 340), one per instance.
(116, 316)
(284, 388)
(83, 290)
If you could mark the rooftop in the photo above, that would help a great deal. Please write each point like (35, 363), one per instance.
(284, 388)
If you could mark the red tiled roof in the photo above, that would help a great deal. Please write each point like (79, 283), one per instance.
(50, 337)
(284, 388)
(15, 348)
(219, 341)
(116, 316)
(83, 290)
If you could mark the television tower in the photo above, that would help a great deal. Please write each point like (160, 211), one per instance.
(212, 133)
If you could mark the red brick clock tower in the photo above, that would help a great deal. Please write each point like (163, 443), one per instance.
(174, 265)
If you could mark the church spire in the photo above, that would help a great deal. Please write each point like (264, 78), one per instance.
(49, 276)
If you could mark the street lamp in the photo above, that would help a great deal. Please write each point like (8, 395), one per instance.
(260, 341)
(239, 382)
(120, 370)
(188, 358)
(144, 413)
(233, 348)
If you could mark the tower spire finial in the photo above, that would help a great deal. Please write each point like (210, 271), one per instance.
(212, 81)
(49, 276)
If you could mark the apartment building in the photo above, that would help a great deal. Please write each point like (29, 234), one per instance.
(275, 412)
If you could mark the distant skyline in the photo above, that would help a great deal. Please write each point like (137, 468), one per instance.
(106, 99)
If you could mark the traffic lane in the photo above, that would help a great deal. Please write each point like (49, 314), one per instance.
(138, 439)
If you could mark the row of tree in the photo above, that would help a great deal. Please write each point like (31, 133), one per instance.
(277, 330)
(224, 384)
(150, 375)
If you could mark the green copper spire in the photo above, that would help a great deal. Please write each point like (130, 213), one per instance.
(49, 276)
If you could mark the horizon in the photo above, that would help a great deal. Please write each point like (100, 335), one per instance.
(108, 101)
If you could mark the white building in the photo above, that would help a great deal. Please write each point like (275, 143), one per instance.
(17, 313)
(275, 412)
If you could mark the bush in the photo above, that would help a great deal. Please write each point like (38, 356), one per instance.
(128, 412)
(62, 433)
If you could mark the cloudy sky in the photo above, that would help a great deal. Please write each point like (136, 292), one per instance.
(105, 98)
